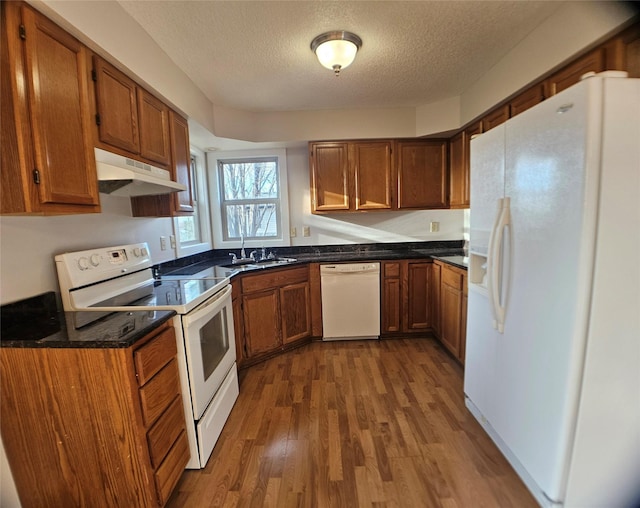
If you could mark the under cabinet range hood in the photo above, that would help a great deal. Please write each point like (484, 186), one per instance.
(122, 176)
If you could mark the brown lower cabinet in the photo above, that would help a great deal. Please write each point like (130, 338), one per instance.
(272, 311)
(94, 426)
(453, 309)
(405, 297)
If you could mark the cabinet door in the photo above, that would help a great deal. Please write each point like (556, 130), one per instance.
(463, 322)
(117, 107)
(153, 115)
(181, 162)
(570, 75)
(469, 133)
(391, 310)
(457, 171)
(422, 174)
(261, 312)
(238, 322)
(372, 175)
(329, 177)
(416, 296)
(295, 308)
(316, 299)
(496, 117)
(434, 295)
(451, 300)
(526, 100)
(57, 73)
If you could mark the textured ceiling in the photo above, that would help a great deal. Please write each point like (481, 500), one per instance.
(255, 55)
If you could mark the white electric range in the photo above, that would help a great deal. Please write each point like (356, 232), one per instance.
(100, 281)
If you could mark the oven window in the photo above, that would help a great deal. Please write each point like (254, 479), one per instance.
(214, 342)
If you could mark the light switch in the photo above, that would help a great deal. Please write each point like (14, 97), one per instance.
(163, 243)
(434, 227)
(306, 231)
(293, 233)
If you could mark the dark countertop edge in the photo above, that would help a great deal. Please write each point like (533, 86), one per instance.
(447, 256)
(454, 261)
(60, 340)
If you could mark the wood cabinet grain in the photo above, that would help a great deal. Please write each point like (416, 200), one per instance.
(453, 309)
(94, 426)
(422, 174)
(372, 174)
(330, 182)
(48, 164)
(276, 310)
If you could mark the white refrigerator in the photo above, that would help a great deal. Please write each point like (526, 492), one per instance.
(552, 369)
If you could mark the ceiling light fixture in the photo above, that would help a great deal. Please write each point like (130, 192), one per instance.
(336, 50)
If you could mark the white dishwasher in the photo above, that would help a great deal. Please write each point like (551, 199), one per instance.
(350, 301)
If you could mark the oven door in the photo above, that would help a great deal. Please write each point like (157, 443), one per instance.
(210, 347)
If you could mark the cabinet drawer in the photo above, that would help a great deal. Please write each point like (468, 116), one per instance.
(451, 278)
(165, 432)
(391, 269)
(169, 472)
(275, 278)
(158, 393)
(154, 355)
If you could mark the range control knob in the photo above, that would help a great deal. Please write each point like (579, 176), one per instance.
(136, 252)
(83, 263)
(95, 259)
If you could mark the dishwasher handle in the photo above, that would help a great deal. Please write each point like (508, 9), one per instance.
(350, 268)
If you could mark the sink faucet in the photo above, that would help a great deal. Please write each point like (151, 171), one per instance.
(263, 254)
(253, 255)
(243, 254)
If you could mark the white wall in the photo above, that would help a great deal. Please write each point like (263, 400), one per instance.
(28, 244)
(400, 226)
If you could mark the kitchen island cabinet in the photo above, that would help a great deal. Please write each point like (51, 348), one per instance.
(100, 426)
(48, 164)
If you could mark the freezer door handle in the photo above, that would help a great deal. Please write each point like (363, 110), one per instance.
(491, 254)
(496, 266)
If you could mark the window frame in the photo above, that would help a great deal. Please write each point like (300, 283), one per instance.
(217, 202)
(201, 208)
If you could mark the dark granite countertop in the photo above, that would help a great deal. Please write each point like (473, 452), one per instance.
(38, 322)
(211, 264)
(457, 260)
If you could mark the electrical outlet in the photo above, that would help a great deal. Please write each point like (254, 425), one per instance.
(172, 241)
(306, 231)
(163, 243)
(293, 232)
(434, 227)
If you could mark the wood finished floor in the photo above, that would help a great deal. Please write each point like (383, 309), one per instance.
(353, 424)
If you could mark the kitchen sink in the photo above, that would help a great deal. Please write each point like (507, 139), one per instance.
(267, 263)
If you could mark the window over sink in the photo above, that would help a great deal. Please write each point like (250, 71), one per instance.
(249, 189)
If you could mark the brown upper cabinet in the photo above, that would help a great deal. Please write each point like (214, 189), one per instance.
(422, 174)
(372, 174)
(181, 157)
(350, 176)
(527, 99)
(459, 166)
(496, 117)
(48, 164)
(329, 163)
(366, 175)
(129, 120)
(570, 75)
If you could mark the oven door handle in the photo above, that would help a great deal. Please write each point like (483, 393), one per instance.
(217, 302)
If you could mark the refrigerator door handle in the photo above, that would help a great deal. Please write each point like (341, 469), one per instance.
(497, 281)
(491, 266)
